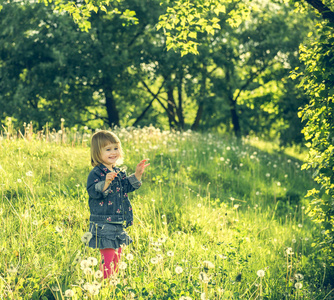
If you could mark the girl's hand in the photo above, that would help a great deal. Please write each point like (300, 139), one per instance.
(109, 178)
(141, 168)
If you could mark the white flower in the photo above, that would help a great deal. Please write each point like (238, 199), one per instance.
(154, 260)
(299, 277)
(203, 296)
(62, 120)
(289, 251)
(170, 253)
(162, 240)
(96, 284)
(19, 180)
(88, 271)
(178, 270)
(208, 264)
(300, 225)
(92, 261)
(278, 183)
(160, 257)
(29, 173)
(293, 241)
(55, 288)
(69, 293)
(268, 175)
(35, 222)
(122, 265)
(59, 229)
(203, 277)
(260, 273)
(298, 285)
(87, 286)
(84, 264)
(86, 237)
(114, 281)
(129, 256)
(98, 274)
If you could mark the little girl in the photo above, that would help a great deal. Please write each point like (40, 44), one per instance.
(110, 208)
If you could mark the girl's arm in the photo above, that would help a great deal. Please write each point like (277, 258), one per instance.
(96, 185)
(133, 181)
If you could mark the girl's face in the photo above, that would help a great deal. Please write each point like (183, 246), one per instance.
(110, 154)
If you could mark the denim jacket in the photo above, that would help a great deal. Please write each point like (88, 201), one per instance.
(113, 204)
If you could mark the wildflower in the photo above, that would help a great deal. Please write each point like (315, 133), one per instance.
(88, 271)
(19, 180)
(268, 175)
(289, 251)
(80, 281)
(69, 293)
(96, 284)
(170, 253)
(178, 270)
(12, 270)
(222, 158)
(208, 264)
(286, 175)
(298, 285)
(203, 277)
(199, 205)
(162, 240)
(159, 257)
(203, 296)
(122, 265)
(62, 120)
(93, 291)
(154, 260)
(278, 183)
(98, 274)
(300, 225)
(129, 256)
(92, 261)
(55, 288)
(87, 286)
(59, 229)
(86, 237)
(299, 277)
(260, 273)
(35, 222)
(84, 264)
(293, 241)
(29, 173)
(114, 281)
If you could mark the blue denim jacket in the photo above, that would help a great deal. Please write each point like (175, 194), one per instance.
(113, 204)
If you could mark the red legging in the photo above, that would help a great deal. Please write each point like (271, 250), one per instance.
(109, 256)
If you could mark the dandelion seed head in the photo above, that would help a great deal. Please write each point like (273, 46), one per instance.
(98, 274)
(122, 265)
(86, 237)
(129, 256)
(92, 261)
(298, 285)
(69, 293)
(170, 253)
(178, 270)
(260, 273)
(154, 260)
(299, 277)
(208, 264)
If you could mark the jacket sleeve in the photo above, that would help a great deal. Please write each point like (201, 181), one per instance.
(95, 185)
(129, 183)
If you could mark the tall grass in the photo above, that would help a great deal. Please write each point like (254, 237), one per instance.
(215, 218)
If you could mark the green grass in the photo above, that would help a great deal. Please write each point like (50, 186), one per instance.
(238, 205)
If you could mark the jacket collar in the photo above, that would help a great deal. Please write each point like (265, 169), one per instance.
(104, 169)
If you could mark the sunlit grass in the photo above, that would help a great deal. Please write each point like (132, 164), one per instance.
(215, 219)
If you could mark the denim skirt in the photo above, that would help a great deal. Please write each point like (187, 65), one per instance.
(106, 235)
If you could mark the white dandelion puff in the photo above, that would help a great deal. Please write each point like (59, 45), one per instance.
(178, 270)
(170, 253)
(260, 273)
(208, 264)
(122, 265)
(154, 260)
(98, 274)
(92, 261)
(69, 293)
(84, 264)
(129, 256)
(86, 237)
(298, 285)
(29, 174)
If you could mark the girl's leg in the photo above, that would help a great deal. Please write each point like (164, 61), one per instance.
(117, 258)
(108, 257)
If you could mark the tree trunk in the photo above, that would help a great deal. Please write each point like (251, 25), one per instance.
(199, 113)
(170, 106)
(180, 107)
(235, 117)
(113, 115)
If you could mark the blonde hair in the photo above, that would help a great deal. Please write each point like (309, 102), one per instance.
(101, 139)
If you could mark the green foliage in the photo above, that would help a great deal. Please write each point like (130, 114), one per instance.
(318, 82)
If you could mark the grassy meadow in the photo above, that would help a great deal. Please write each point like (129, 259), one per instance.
(215, 218)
